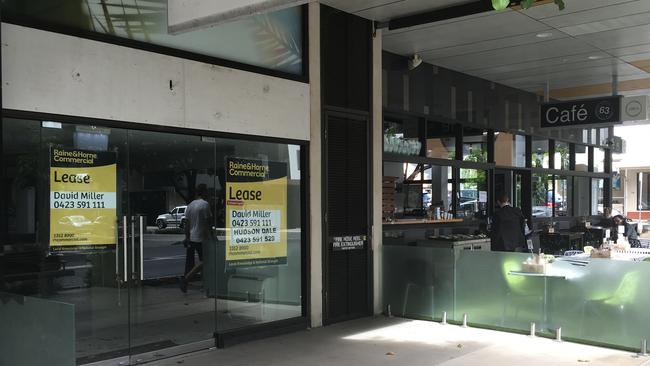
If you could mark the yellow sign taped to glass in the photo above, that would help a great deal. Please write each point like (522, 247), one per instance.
(256, 213)
(82, 200)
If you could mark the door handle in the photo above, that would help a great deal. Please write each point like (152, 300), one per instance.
(124, 242)
(141, 251)
(133, 247)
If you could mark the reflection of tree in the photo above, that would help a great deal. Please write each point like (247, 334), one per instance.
(184, 183)
(539, 158)
(132, 18)
(563, 150)
(474, 178)
(540, 190)
(478, 155)
(276, 41)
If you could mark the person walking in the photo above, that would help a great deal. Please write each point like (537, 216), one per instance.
(508, 227)
(198, 219)
(630, 231)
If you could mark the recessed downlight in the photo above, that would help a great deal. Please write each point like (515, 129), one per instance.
(544, 35)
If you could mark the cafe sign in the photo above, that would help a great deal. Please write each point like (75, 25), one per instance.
(595, 111)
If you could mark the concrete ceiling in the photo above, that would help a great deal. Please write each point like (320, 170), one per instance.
(577, 51)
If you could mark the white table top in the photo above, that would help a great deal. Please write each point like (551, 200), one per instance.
(530, 274)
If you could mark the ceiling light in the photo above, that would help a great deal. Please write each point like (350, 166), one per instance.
(50, 124)
(544, 35)
(594, 57)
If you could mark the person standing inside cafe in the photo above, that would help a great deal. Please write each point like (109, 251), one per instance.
(508, 227)
(630, 231)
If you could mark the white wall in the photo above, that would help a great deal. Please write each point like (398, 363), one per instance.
(59, 74)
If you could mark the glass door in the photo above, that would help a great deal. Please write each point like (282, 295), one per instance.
(63, 240)
(172, 310)
(96, 218)
(88, 187)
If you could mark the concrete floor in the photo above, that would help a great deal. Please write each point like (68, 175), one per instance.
(392, 341)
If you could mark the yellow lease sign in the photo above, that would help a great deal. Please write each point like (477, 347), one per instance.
(256, 213)
(82, 199)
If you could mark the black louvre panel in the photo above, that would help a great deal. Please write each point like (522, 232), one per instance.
(347, 207)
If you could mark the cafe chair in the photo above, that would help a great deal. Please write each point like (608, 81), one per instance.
(520, 291)
(419, 276)
(604, 307)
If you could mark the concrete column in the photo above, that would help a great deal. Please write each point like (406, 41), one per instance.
(315, 179)
(377, 165)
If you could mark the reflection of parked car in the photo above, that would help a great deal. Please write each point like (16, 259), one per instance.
(74, 220)
(542, 211)
(174, 218)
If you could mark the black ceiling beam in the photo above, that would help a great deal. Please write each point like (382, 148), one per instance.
(437, 15)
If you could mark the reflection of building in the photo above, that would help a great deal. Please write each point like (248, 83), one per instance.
(630, 191)
(633, 196)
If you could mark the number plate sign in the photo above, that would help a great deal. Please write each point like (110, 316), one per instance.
(596, 111)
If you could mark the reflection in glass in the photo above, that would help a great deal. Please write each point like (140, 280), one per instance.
(597, 196)
(542, 195)
(472, 187)
(599, 160)
(643, 197)
(401, 136)
(509, 149)
(581, 206)
(272, 40)
(157, 176)
(604, 136)
(562, 196)
(441, 141)
(474, 145)
(419, 186)
(540, 153)
(562, 155)
(582, 158)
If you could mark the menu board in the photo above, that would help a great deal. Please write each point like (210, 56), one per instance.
(82, 199)
(256, 213)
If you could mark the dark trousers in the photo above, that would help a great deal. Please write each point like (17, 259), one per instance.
(190, 249)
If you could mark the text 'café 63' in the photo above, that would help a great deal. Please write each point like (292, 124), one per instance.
(179, 178)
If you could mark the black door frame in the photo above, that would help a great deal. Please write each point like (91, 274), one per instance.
(367, 118)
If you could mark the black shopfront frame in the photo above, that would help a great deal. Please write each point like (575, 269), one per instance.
(233, 336)
(489, 166)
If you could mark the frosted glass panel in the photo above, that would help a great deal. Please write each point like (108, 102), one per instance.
(272, 40)
(491, 296)
(418, 281)
(606, 301)
(34, 330)
(601, 301)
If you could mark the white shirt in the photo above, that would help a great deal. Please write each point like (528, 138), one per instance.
(198, 216)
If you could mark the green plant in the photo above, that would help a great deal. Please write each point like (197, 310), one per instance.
(525, 4)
